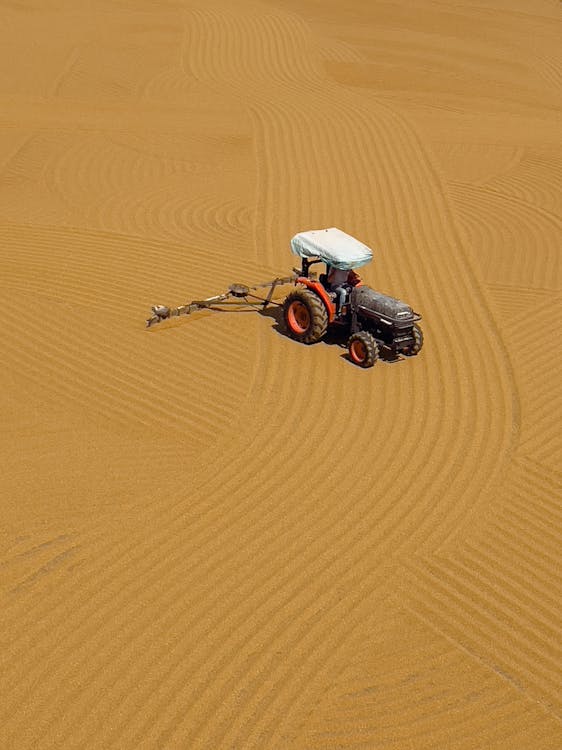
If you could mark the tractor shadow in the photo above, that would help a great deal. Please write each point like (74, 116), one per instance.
(335, 336)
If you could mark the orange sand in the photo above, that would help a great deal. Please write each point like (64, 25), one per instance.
(214, 537)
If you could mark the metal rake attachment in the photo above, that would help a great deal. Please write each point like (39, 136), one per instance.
(236, 295)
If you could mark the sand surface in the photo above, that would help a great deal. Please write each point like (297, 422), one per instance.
(215, 537)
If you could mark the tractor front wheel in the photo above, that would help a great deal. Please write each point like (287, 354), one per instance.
(415, 348)
(363, 349)
(305, 315)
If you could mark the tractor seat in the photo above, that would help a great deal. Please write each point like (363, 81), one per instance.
(323, 279)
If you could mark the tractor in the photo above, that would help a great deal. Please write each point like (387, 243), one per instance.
(374, 323)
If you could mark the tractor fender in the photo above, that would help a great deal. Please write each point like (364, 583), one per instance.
(317, 288)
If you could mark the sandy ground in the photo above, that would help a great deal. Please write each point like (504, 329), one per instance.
(212, 536)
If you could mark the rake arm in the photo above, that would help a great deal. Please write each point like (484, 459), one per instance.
(237, 291)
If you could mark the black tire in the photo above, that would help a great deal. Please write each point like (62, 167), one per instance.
(363, 349)
(305, 316)
(415, 348)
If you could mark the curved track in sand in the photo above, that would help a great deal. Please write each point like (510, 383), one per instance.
(292, 535)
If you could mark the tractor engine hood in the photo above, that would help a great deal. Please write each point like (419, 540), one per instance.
(367, 300)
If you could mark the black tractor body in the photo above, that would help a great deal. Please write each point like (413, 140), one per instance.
(391, 322)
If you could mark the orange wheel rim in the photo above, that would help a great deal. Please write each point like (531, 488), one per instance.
(358, 351)
(298, 317)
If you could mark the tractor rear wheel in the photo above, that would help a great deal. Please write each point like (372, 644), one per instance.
(305, 315)
(415, 348)
(363, 349)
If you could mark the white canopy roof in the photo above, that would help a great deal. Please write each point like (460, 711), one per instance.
(333, 246)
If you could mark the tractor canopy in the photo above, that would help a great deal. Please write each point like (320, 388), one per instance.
(334, 247)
